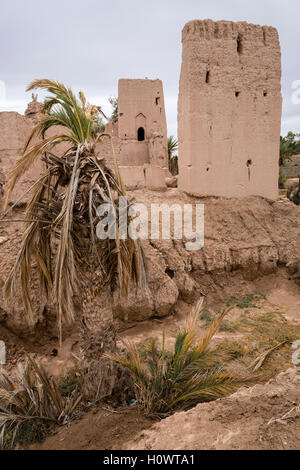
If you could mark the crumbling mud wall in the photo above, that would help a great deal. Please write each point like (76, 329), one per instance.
(109, 146)
(15, 130)
(229, 109)
(244, 240)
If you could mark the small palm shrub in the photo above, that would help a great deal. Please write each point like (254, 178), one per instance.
(166, 381)
(31, 402)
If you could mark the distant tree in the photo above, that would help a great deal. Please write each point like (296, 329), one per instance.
(99, 124)
(285, 150)
(289, 145)
(114, 103)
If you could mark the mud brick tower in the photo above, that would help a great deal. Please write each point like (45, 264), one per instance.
(229, 109)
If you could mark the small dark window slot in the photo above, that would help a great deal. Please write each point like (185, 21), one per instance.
(141, 134)
(239, 44)
(264, 38)
(207, 78)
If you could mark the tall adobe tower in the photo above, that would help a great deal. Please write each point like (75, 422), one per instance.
(229, 109)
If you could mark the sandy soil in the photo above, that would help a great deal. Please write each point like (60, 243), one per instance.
(237, 422)
(103, 428)
(249, 419)
(250, 245)
(279, 289)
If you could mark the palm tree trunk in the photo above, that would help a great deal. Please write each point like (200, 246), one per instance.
(102, 378)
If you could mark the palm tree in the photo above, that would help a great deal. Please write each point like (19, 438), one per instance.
(172, 160)
(61, 218)
(172, 145)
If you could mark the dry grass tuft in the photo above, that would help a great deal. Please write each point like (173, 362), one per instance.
(31, 402)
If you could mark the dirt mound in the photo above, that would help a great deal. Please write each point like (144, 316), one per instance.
(245, 239)
(262, 417)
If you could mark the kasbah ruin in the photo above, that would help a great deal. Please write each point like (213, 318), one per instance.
(142, 344)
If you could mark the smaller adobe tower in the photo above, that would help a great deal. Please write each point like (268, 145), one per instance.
(142, 123)
(229, 109)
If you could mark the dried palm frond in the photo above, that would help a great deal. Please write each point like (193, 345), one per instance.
(62, 216)
(32, 396)
(27, 159)
(166, 381)
(258, 361)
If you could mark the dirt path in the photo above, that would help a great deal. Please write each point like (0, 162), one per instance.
(101, 428)
(250, 419)
(262, 417)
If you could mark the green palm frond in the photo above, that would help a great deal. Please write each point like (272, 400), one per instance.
(210, 332)
(172, 145)
(64, 104)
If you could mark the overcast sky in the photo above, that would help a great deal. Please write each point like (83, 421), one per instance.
(90, 44)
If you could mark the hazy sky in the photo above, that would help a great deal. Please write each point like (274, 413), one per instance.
(90, 44)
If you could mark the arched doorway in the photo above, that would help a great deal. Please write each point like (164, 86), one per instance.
(141, 134)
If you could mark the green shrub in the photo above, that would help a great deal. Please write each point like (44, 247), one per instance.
(248, 300)
(207, 317)
(282, 180)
